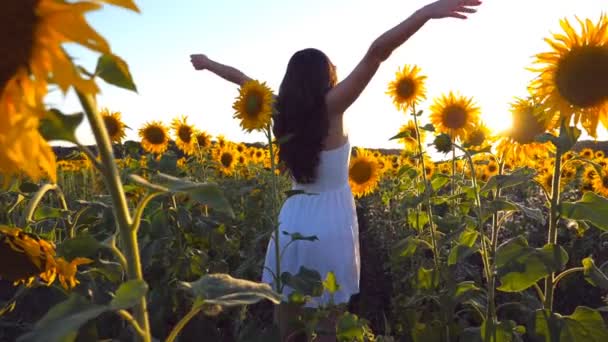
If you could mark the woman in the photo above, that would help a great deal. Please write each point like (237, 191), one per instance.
(310, 108)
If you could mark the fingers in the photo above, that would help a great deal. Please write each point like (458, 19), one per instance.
(463, 3)
(465, 10)
(457, 15)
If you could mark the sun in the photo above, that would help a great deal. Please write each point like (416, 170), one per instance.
(573, 76)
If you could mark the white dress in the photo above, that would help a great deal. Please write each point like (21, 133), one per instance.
(330, 215)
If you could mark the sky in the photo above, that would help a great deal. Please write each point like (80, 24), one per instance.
(483, 57)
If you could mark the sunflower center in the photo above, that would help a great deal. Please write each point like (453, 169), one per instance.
(185, 133)
(226, 159)
(112, 125)
(155, 135)
(202, 140)
(361, 171)
(492, 168)
(582, 76)
(406, 88)
(253, 104)
(17, 35)
(455, 117)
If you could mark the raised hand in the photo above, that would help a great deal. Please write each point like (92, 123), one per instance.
(199, 61)
(451, 8)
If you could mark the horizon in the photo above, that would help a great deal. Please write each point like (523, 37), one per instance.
(455, 55)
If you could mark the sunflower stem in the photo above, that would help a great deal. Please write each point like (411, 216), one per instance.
(427, 194)
(120, 207)
(274, 218)
(196, 308)
(35, 201)
(553, 219)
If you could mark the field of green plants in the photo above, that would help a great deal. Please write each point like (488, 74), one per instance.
(163, 239)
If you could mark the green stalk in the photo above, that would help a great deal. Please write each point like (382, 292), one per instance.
(35, 201)
(120, 206)
(427, 194)
(553, 218)
(196, 308)
(275, 204)
(491, 310)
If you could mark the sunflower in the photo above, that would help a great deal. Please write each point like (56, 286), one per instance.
(568, 156)
(600, 182)
(479, 137)
(203, 139)
(454, 114)
(66, 271)
(519, 142)
(254, 106)
(586, 153)
(25, 257)
(114, 125)
(154, 137)
(221, 141)
(410, 141)
(226, 159)
(589, 173)
(34, 57)
(599, 154)
(573, 77)
(545, 179)
(184, 135)
(363, 173)
(602, 162)
(408, 87)
(491, 169)
(181, 162)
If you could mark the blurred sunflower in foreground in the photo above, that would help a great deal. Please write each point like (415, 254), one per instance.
(26, 257)
(573, 77)
(33, 58)
(363, 173)
(254, 106)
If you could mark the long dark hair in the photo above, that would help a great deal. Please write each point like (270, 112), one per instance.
(302, 123)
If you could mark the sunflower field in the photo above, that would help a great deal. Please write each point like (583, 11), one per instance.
(501, 238)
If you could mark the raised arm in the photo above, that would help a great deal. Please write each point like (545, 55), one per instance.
(340, 97)
(230, 74)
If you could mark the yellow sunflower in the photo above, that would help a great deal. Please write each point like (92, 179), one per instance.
(66, 271)
(573, 76)
(154, 137)
(408, 88)
(184, 135)
(227, 159)
(600, 182)
(221, 141)
(589, 173)
(479, 137)
(34, 34)
(114, 125)
(586, 153)
(254, 106)
(203, 139)
(545, 179)
(518, 143)
(491, 169)
(411, 140)
(599, 154)
(363, 173)
(454, 114)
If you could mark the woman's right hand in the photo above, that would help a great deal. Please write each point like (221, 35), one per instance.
(199, 61)
(450, 8)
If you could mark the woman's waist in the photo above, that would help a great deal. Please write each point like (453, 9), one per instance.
(321, 187)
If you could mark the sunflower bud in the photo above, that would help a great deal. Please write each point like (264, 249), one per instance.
(443, 143)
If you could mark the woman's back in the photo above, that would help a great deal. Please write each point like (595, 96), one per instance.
(332, 171)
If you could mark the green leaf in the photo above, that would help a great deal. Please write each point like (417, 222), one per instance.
(504, 205)
(568, 136)
(592, 208)
(56, 126)
(401, 135)
(520, 266)
(427, 279)
(407, 247)
(308, 282)
(519, 176)
(168, 163)
(115, 71)
(330, 283)
(428, 127)
(44, 213)
(506, 331)
(585, 324)
(350, 328)
(224, 290)
(81, 246)
(129, 294)
(593, 275)
(208, 194)
(465, 246)
(62, 321)
(439, 182)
